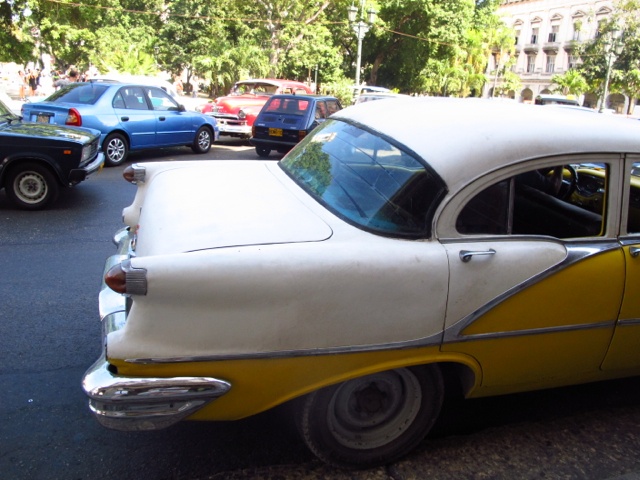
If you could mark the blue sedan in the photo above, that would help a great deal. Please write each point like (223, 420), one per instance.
(129, 117)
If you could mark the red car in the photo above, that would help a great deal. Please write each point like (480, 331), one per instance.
(236, 112)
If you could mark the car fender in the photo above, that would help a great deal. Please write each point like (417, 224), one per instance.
(10, 160)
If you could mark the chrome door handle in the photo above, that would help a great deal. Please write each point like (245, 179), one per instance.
(634, 251)
(466, 255)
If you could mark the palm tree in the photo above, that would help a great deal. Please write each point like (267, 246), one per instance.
(571, 83)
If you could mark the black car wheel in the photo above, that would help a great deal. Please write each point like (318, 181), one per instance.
(31, 186)
(115, 149)
(372, 420)
(263, 152)
(202, 140)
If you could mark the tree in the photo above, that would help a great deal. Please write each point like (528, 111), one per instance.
(16, 43)
(600, 56)
(570, 83)
(412, 37)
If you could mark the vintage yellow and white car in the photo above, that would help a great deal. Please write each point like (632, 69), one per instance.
(403, 246)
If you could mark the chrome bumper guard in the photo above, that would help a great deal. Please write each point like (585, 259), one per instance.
(139, 403)
(131, 404)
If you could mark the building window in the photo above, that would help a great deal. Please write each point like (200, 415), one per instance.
(553, 35)
(551, 63)
(531, 63)
(577, 26)
(517, 37)
(534, 35)
(573, 62)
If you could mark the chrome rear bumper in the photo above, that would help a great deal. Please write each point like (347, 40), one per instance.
(131, 403)
(139, 403)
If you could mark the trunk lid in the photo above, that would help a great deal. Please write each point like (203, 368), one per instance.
(223, 204)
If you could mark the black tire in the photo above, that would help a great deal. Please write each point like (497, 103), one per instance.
(371, 420)
(263, 152)
(31, 186)
(116, 150)
(202, 140)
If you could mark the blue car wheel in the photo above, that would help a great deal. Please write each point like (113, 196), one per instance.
(202, 140)
(115, 149)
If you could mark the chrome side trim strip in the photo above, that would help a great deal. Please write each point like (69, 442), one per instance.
(576, 252)
(627, 322)
(433, 340)
(534, 331)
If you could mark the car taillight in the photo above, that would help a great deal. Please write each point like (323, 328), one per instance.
(125, 279)
(253, 130)
(134, 174)
(301, 134)
(73, 118)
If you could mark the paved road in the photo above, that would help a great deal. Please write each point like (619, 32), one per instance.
(50, 267)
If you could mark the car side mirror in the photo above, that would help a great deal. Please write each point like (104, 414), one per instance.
(181, 108)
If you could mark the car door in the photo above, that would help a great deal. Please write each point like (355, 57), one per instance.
(536, 271)
(135, 116)
(624, 352)
(173, 126)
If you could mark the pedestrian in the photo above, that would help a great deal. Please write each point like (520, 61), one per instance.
(194, 86)
(63, 81)
(22, 85)
(32, 82)
(179, 86)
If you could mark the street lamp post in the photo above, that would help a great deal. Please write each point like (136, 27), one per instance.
(360, 27)
(613, 49)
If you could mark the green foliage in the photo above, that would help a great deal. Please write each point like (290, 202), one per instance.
(132, 61)
(429, 46)
(341, 89)
(570, 83)
(617, 46)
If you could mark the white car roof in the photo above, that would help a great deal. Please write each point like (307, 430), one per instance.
(479, 135)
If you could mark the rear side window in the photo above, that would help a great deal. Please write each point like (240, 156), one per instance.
(82, 93)
(566, 201)
(365, 179)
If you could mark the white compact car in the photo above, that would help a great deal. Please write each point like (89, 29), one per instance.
(401, 247)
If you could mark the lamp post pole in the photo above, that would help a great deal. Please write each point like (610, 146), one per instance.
(360, 27)
(613, 48)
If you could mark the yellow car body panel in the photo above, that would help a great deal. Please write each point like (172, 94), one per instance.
(568, 293)
(260, 384)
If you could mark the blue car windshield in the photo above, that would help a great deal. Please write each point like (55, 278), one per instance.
(366, 180)
(82, 93)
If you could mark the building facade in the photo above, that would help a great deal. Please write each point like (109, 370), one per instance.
(547, 34)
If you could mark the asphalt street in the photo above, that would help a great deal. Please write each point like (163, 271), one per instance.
(50, 268)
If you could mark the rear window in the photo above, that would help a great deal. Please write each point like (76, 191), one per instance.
(82, 93)
(291, 106)
(366, 179)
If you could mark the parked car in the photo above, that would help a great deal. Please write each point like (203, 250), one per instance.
(286, 119)
(129, 117)
(356, 91)
(389, 258)
(549, 99)
(36, 160)
(139, 80)
(369, 97)
(237, 112)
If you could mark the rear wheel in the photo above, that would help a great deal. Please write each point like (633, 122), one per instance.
(31, 186)
(263, 152)
(202, 140)
(372, 420)
(115, 149)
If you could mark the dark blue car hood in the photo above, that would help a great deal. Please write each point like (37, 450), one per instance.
(27, 129)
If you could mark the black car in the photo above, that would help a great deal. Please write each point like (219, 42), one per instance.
(37, 159)
(286, 119)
